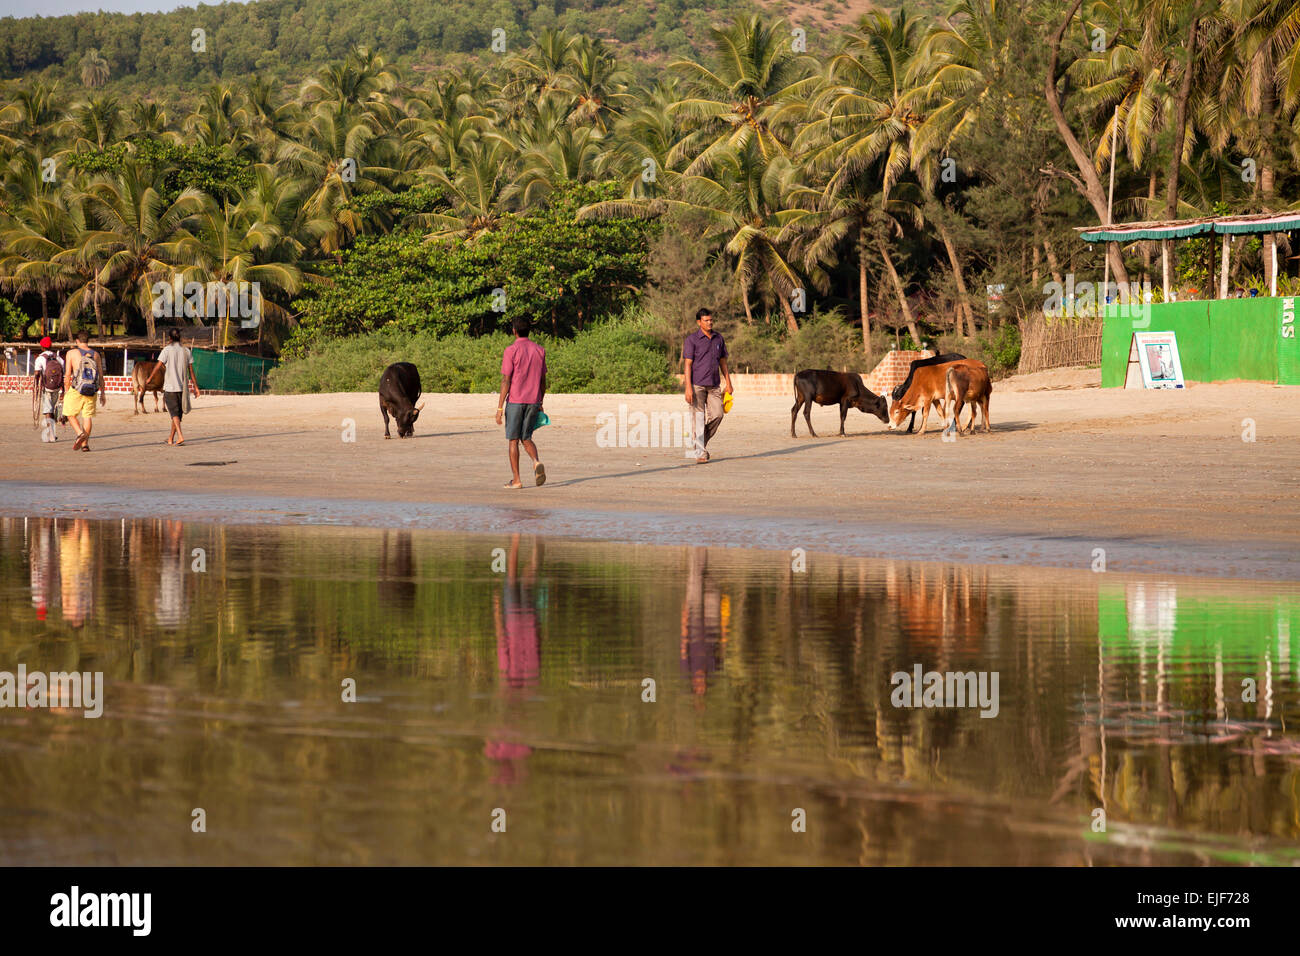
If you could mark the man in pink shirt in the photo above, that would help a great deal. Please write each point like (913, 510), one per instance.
(523, 386)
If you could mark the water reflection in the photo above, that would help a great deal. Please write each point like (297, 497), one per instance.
(508, 671)
(515, 614)
(705, 611)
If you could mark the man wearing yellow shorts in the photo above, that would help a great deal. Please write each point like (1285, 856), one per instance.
(85, 378)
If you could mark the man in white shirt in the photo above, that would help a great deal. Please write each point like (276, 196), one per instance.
(49, 387)
(176, 360)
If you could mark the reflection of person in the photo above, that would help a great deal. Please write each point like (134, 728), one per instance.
(45, 566)
(514, 613)
(701, 649)
(76, 554)
(170, 605)
(517, 642)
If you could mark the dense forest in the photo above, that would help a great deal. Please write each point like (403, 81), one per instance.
(888, 172)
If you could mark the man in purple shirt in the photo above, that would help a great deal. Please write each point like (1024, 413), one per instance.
(706, 355)
(523, 383)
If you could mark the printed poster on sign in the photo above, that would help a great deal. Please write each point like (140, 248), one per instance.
(1158, 357)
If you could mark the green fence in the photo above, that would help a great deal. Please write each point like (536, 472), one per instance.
(1218, 340)
(231, 372)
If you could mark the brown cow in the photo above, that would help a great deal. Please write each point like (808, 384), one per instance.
(966, 383)
(147, 376)
(928, 389)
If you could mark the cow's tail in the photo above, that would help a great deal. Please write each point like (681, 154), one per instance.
(950, 400)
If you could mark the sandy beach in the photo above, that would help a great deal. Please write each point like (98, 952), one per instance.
(1162, 480)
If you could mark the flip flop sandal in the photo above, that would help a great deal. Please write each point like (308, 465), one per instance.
(78, 442)
(513, 487)
(539, 473)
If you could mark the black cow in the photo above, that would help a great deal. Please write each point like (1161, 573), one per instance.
(399, 388)
(901, 390)
(844, 389)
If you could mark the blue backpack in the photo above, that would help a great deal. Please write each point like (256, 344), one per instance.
(88, 373)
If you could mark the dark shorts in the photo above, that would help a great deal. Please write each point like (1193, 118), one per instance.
(173, 402)
(520, 419)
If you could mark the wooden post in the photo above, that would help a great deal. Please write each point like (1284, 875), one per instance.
(1223, 270)
(1164, 265)
(1272, 278)
(1110, 202)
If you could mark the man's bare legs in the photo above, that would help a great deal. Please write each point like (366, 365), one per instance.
(514, 458)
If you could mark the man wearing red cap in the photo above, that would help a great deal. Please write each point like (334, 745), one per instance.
(49, 382)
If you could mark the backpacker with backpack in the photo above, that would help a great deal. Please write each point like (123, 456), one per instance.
(52, 374)
(88, 373)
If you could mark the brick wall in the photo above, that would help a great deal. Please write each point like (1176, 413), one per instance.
(753, 383)
(891, 371)
(113, 384)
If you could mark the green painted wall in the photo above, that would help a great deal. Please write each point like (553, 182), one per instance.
(1189, 320)
(1218, 340)
(1288, 342)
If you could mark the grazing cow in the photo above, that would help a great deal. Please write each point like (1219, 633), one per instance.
(936, 359)
(966, 383)
(399, 388)
(834, 388)
(146, 376)
(928, 389)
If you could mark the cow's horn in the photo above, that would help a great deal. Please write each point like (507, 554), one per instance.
(420, 406)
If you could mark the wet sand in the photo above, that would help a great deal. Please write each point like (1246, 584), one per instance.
(1161, 480)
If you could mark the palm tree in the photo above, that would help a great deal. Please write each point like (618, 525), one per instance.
(96, 123)
(538, 71)
(94, 69)
(597, 85)
(139, 240)
(751, 94)
(474, 188)
(340, 151)
(229, 243)
(220, 120)
(36, 240)
(746, 203)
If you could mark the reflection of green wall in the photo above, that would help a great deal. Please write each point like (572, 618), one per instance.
(1244, 628)
(1217, 340)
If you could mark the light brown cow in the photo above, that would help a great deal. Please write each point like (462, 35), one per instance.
(966, 383)
(928, 389)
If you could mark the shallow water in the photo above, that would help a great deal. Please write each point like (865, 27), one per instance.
(502, 677)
